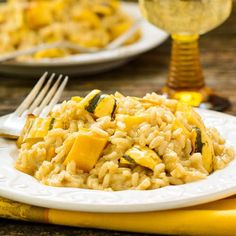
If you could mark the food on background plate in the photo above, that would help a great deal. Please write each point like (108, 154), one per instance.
(114, 142)
(88, 23)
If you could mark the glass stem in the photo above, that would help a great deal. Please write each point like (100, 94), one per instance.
(185, 69)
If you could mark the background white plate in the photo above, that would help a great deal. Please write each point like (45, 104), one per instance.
(24, 188)
(92, 63)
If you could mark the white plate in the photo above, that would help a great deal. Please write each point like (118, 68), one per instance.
(24, 188)
(96, 62)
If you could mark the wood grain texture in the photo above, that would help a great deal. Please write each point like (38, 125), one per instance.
(146, 73)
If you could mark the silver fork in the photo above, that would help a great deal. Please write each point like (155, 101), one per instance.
(40, 101)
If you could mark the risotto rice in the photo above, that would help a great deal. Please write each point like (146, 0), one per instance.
(141, 144)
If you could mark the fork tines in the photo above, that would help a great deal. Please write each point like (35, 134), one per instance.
(46, 93)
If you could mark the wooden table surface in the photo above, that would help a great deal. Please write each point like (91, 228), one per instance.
(144, 74)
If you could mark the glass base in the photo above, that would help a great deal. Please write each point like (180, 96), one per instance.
(202, 98)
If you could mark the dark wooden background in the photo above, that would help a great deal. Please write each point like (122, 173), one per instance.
(144, 74)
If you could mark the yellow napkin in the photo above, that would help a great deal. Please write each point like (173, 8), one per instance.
(217, 218)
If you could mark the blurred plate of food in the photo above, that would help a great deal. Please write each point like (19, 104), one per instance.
(96, 23)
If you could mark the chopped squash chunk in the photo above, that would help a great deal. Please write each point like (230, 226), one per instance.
(86, 101)
(50, 53)
(178, 124)
(87, 16)
(25, 130)
(196, 139)
(106, 106)
(205, 147)
(192, 116)
(124, 161)
(133, 121)
(86, 150)
(38, 15)
(142, 156)
(37, 128)
(103, 9)
(77, 99)
(119, 29)
(202, 143)
(102, 105)
(114, 4)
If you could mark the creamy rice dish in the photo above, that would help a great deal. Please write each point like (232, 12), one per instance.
(115, 142)
(88, 23)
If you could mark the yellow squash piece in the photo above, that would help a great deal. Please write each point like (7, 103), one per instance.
(28, 124)
(114, 4)
(207, 146)
(50, 53)
(86, 101)
(102, 9)
(207, 152)
(86, 150)
(124, 161)
(39, 14)
(37, 128)
(178, 124)
(142, 156)
(102, 105)
(120, 28)
(203, 144)
(99, 104)
(87, 16)
(59, 6)
(77, 99)
(196, 139)
(133, 121)
(192, 116)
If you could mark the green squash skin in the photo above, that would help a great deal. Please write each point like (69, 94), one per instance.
(129, 159)
(198, 144)
(114, 109)
(52, 123)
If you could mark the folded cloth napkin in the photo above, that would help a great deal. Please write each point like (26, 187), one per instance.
(216, 218)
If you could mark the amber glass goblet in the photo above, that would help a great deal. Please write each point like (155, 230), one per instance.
(185, 20)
